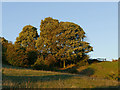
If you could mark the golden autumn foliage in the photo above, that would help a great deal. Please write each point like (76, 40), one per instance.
(50, 60)
(20, 56)
(64, 40)
(27, 36)
(4, 44)
(16, 55)
(59, 42)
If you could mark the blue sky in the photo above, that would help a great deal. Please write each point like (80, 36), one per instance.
(98, 19)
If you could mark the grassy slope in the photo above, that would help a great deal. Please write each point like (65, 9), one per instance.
(27, 78)
(103, 70)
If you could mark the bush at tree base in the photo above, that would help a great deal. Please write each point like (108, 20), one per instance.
(39, 64)
(20, 56)
(83, 61)
(32, 54)
(45, 63)
(16, 56)
(50, 60)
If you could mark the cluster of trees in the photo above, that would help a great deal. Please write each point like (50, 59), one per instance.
(59, 44)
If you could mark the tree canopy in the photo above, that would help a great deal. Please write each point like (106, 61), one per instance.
(64, 40)
(60, 43)
(4, 44)
(27, 36)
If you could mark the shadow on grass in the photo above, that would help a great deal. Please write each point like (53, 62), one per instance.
(87, 72)
(69, 70)
(107, 88)
(14, 67)
(35, 78)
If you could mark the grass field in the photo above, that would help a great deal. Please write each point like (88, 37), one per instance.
(92, 76)
(107, 70)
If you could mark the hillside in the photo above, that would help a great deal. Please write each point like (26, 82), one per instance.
(102, 69)
(92, 76)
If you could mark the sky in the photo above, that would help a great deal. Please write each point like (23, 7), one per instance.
(98, 19)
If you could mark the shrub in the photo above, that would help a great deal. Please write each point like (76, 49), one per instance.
(40, 63)
(45, 63)
(16, 55)
(114, 60)
(73, 70)
(3, 43)
(20, 56)
(83, 61)
(32, 54)
(50, 60)
(112, 76)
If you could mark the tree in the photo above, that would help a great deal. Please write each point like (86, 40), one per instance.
(23, 52)
(4, 44)
(47, 34)
(16, 55)
(32, 54)
(27, 36)
(50, 60)
(20, 56)
(64, 40)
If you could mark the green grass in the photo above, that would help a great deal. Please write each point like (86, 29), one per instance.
(107, 70)
(28, 78)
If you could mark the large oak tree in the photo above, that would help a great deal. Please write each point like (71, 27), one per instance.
(64, 40)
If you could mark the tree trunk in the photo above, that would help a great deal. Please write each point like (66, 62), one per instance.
(64, 64)
(60, 64)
